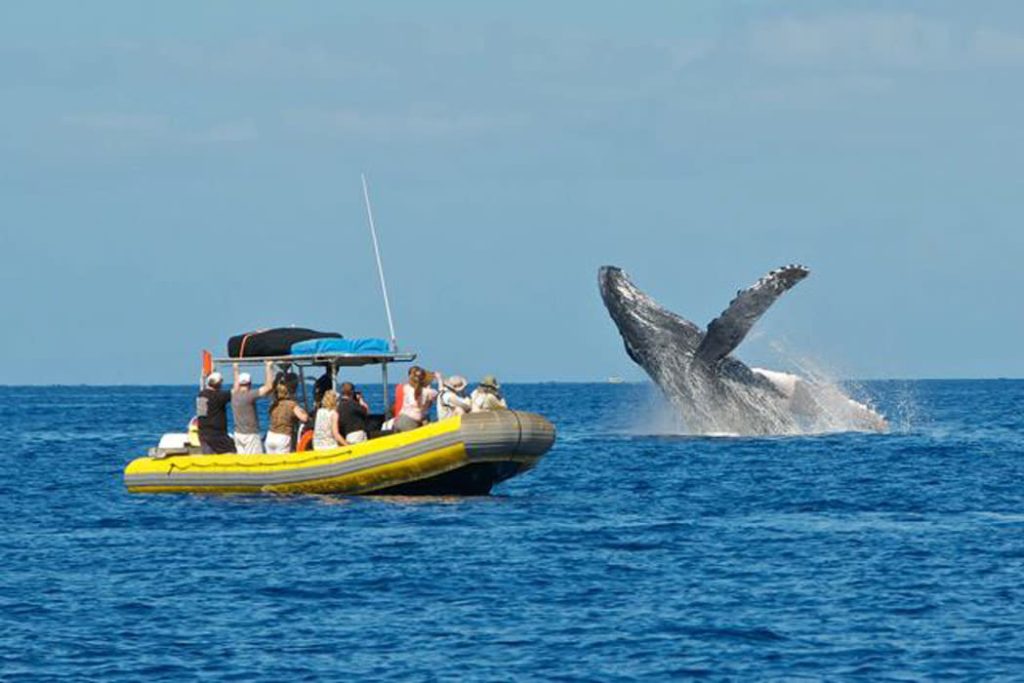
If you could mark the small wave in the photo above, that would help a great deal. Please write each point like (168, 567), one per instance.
(296, 593)
(914, 610)
(756, 634)
(633, 546)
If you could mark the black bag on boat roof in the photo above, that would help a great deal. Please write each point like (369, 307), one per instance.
(274, 342)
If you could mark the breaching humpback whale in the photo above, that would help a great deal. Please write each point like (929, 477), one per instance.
(715, 392)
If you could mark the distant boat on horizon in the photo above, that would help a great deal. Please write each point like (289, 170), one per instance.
(615, 380)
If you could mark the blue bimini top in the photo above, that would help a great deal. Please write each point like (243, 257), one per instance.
(313, 347)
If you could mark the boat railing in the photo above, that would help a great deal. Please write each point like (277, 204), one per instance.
(336, 361)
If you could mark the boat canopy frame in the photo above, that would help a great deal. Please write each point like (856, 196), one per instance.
(335, 360)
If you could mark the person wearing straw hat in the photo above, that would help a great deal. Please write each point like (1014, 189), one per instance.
(452, 400)
(487, 396)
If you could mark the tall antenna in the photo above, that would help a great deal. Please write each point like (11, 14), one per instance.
(380, 266)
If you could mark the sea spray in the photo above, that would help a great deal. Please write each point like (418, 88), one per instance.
(839, 405)
(815, 402)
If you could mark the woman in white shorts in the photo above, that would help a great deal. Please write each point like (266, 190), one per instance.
(285, 413)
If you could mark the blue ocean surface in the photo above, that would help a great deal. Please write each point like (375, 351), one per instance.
(626, 555)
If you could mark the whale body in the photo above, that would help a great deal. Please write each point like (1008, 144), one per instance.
(714, 392)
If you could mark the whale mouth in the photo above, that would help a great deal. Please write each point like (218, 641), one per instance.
(620, 302)
(608, 278)
(620, 297)
(617, 291)
(628, 305)
(644, 325)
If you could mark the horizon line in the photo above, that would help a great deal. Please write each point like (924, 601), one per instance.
(43, 385)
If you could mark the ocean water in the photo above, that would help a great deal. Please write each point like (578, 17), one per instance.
(626, 555)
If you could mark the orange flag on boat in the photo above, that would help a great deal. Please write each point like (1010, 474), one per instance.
(207, 363)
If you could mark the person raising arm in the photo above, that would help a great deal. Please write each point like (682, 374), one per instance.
(243, 405)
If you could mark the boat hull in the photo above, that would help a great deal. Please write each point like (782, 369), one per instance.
(464, 455)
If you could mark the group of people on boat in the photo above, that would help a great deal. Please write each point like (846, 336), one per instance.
(414, 398)
(341, 417)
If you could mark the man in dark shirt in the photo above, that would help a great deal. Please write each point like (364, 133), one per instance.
(352, 412)
(324, 383)
(211, 409)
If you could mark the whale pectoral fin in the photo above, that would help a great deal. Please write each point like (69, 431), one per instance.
(726, 331)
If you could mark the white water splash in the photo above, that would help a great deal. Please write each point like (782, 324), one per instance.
(822, 403)
(813, 401)
(906, 414)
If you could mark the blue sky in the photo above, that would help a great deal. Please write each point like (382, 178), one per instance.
(174, 173)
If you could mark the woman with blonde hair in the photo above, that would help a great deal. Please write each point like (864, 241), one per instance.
(285, 413)
(326, 434)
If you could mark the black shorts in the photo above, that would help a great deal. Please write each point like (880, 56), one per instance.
(216, 443)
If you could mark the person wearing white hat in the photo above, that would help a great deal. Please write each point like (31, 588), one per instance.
(212, 417)
(487, 395)
(452, 400)
(243, 405)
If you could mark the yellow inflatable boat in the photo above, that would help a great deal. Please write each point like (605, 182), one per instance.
(465, 455)
(462, 455)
